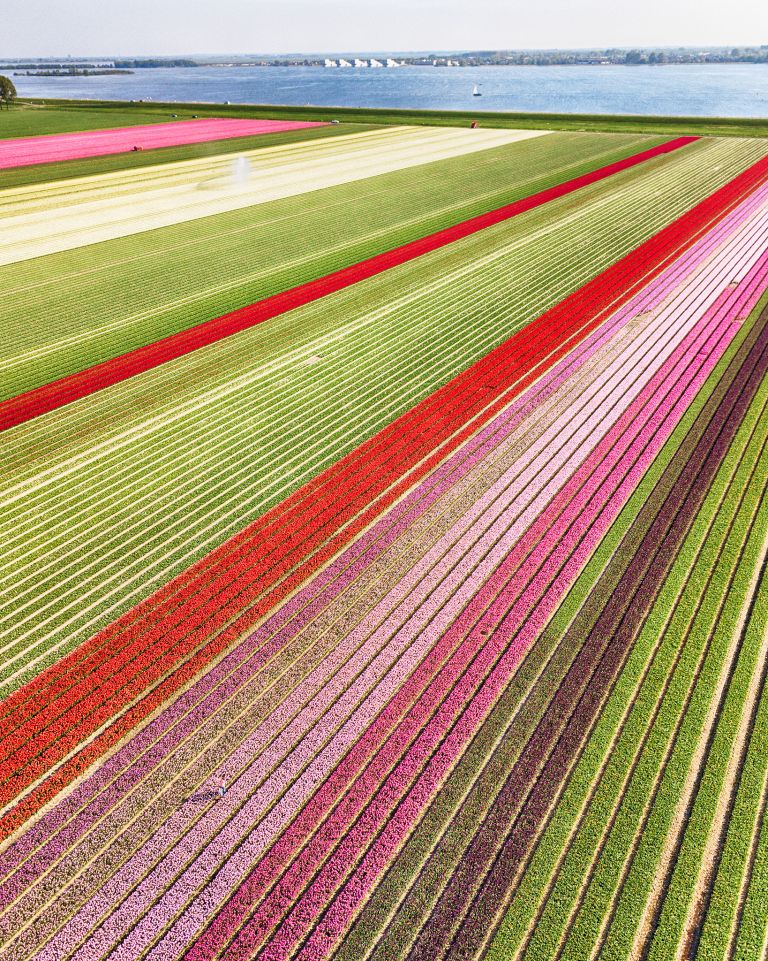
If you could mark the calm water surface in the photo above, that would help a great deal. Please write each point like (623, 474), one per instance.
(727, 90)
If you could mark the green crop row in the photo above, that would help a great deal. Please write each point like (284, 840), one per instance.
(679, 906)
(719, 919)
(725, 580)
(586, 823)
(630, 779)
(721, 925)
(102, 300)
(752, 937)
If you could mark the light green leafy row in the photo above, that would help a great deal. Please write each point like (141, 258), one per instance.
(752, 934)
(111, 497)
(727, 575)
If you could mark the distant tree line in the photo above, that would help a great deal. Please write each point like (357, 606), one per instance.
(614, 56)
(86, 65)
(72, 72)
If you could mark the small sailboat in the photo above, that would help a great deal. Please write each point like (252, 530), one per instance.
(476, 91)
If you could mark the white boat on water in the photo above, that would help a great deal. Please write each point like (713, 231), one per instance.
(476, 91)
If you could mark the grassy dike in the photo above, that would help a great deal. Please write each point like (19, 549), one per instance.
(147, 112)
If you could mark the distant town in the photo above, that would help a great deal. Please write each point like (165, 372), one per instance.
(335, 61)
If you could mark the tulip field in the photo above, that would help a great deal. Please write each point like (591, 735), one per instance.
(50, 148)
(384, 567)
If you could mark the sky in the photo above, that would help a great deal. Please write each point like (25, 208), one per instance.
(43, 28)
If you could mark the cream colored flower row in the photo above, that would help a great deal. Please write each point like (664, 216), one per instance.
(61, 216)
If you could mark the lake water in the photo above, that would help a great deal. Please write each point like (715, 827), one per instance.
(726, 90)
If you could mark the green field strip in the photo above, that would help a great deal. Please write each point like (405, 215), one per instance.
(704, 126)
(103, 300)
(93, 166)
(424, 867)
(722, 923)
(26, 120)
(683, 907)
(681, 671)
(752, 936)
(553, 878)
(272, 428)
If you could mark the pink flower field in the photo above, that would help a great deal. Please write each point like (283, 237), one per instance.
(50, 148)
